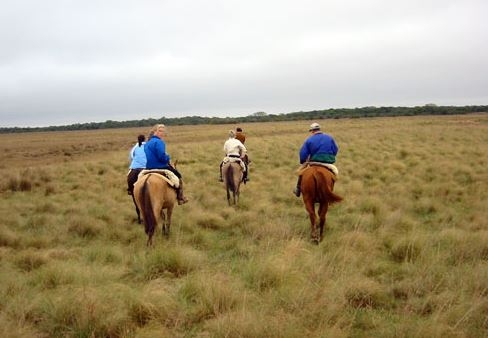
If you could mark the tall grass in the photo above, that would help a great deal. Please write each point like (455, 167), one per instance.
(405, 254)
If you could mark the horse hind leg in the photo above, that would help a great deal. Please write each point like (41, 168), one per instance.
(163, 224)
(166, 222)
(322, 219)
(149, 242)
(137, 210)
(313, 223)
(228, 196)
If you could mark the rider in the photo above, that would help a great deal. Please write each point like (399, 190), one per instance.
(318, 147)
(137, 156)
(234, 148)
(157, 158)
(241, 136)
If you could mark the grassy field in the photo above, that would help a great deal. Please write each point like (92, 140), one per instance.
(404, 255)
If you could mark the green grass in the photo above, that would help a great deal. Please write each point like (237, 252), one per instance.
(404, 255)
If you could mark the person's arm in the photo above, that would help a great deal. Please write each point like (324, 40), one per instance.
(242, 149)
(161, 152)
(304, 152)
(131, 153)
(335, 147)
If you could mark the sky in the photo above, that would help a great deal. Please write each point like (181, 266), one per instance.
(66, 61)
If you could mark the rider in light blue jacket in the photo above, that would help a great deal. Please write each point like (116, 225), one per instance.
(137, 164)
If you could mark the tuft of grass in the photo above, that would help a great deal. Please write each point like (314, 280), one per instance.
(29, 260)
(175, 262)
(209, 295)
(367, 293)
(406, 250)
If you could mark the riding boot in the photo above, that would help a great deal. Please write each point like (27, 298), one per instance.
(246, 173)
(297, 190)
(179, 194)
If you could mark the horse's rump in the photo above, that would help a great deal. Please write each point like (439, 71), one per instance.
(232, 173)
(318, 185)
(153, 193)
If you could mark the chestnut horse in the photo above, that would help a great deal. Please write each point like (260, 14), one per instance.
(317, 187)
(153, 194)
(232, 175)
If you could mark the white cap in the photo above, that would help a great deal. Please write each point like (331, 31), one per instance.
(314, 126)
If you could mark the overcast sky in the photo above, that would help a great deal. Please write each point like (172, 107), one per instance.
(68, 61)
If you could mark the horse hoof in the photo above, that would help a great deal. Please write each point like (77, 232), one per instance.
(315, 241)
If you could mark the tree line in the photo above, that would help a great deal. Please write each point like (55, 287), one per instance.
(332, 113)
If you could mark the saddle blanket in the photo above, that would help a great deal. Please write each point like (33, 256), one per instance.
(329, 166)
(235, 159)
(165, 174)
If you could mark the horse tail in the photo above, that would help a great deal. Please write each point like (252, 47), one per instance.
(323, 186)
(230, 178)
(147, 209)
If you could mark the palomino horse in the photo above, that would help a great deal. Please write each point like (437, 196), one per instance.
(232, 175)
(153, 194)
(317, 185)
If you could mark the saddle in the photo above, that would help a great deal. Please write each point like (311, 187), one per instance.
(234, 159)
(329, 166)
(165, 174)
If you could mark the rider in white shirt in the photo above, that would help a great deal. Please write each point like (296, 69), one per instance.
(235, 149)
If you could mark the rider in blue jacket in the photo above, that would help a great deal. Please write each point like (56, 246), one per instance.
(318, 147)
(157, 158)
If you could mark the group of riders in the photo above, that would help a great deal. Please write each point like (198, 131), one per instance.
(318, 147)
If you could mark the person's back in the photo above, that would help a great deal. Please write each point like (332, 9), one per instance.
(137, 156)
(155, 150)
(234, 148)
(319, 147)
(240, 135)
(157, 158)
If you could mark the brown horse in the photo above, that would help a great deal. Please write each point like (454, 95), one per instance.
(153, 194)
(317, 185)
(232, 175)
